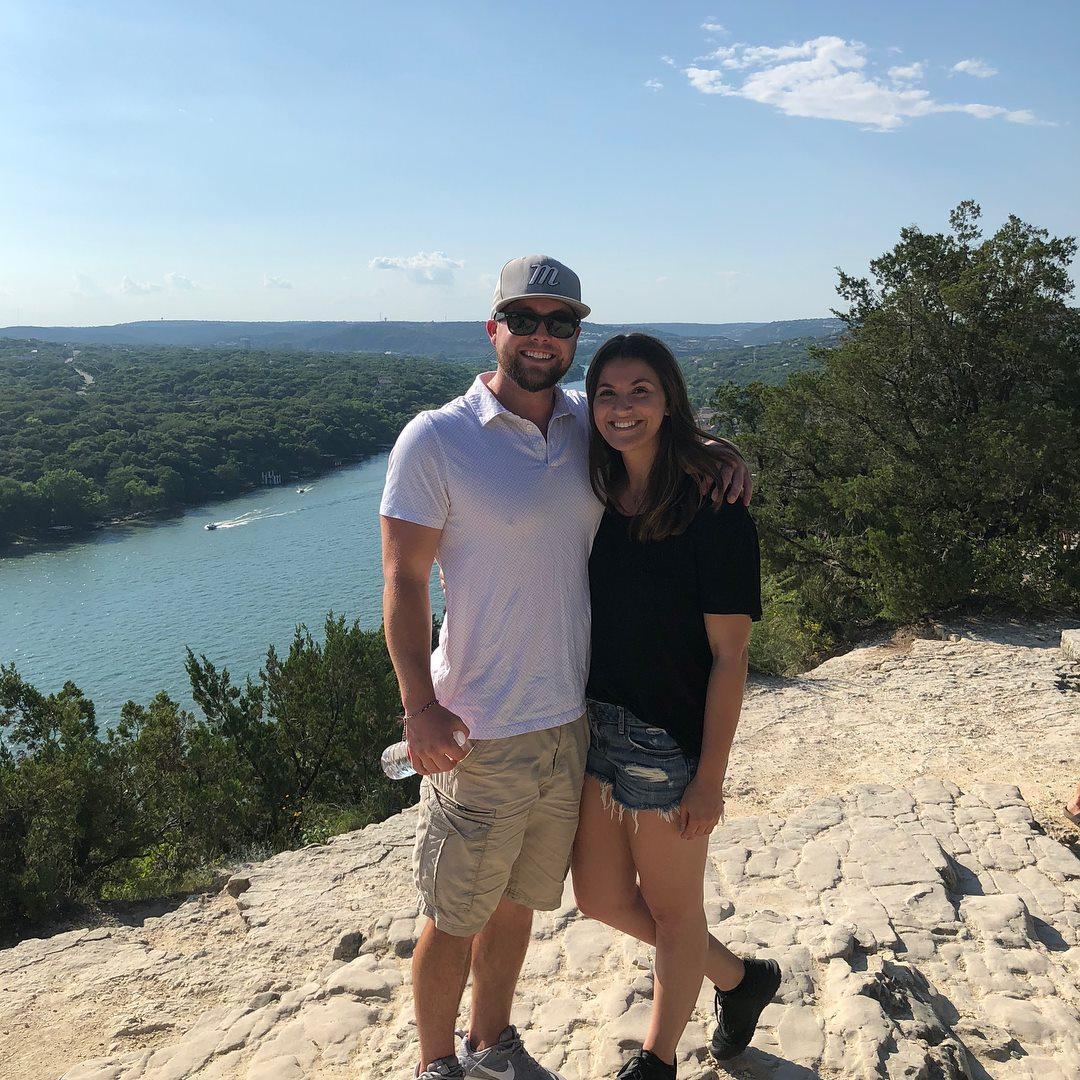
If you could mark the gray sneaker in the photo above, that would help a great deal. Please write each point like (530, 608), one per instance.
(506, 1060)
(447, 1068)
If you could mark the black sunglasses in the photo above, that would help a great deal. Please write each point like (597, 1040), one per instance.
(524, 323)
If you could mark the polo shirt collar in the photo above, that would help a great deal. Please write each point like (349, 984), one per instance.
(487, 406)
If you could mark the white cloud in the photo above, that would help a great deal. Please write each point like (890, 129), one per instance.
(423, 268)
(668, 60)
(973, 66)
(727, 55)
(179, 281)
(708, 81)
(654, 84)
(1026, 116)
(827, 78)
(711, 27)
(271, 282)
(910, 73)
(761, 55)
(991, 112)
(138, 288)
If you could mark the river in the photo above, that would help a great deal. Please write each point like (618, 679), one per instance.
(114, 612)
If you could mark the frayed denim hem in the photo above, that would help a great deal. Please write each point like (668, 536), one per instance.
(614, 807)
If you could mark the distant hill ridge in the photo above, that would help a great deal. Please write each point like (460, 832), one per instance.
(443, 340)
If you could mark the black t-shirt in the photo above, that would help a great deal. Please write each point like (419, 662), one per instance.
(650, 650)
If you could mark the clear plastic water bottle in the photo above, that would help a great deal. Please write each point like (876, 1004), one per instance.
(395, 759)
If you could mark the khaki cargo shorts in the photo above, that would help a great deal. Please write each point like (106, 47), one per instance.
(500, 823)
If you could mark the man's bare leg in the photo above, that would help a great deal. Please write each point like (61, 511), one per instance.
(497, 955)
(1074, 806)
(440, 968)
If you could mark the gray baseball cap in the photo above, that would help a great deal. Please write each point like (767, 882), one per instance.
(540, 277)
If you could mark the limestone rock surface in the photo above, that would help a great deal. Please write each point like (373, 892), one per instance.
(924, 928)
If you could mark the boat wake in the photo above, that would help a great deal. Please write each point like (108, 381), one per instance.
(252, 516)
(284, 513)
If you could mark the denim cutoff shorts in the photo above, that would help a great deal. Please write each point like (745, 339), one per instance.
(640, 767)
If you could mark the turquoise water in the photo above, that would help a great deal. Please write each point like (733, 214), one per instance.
(113, 613)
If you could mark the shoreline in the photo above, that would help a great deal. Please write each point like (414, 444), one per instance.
(70, 534)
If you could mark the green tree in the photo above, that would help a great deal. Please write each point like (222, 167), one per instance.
(309, 734)
(116, 482)
(59, 805)
(164, 427)
(18, 508)
(72, 498)
(141, 496)
(164, 796)
(188, 795)
(930, 465)
(171, 485)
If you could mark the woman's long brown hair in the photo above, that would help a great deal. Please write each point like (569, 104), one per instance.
(671, 496)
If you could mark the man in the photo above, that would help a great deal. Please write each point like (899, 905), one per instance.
(495, 485)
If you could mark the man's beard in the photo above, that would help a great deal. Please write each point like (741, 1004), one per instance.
(528, 379)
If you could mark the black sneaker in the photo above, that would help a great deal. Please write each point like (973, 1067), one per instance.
(737, 1010)
(645, 1065)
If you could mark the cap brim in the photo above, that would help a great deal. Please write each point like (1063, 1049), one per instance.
(576, 306)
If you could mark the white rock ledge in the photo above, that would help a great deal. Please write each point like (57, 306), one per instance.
(923, 933)
(924, 930)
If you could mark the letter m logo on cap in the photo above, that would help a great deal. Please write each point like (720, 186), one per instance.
(542, 274)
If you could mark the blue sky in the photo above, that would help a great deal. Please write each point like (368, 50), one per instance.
(355, 160)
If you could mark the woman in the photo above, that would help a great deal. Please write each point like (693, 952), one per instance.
(675, 584)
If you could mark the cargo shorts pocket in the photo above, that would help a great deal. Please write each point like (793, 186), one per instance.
(451, 843)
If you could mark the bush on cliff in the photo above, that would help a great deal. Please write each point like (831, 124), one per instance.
(930, 465)
(308, 735)
(65, 817)
(150, 807)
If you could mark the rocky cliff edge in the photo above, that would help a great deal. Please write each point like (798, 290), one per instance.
(926, 923)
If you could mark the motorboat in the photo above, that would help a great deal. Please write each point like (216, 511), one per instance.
(301, 490)
(211, 527)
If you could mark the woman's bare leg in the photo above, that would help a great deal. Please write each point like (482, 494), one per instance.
(606, 887)
(671, 872)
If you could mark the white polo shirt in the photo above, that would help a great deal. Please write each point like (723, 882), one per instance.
(518, 517)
